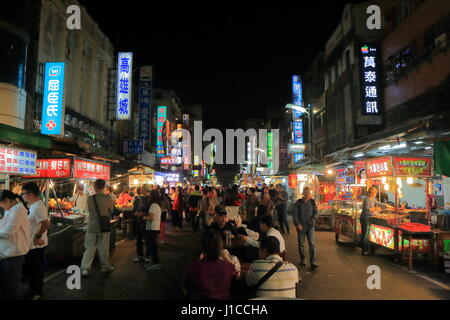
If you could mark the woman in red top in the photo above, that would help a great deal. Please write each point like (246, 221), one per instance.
(124, 197)
(209, 278)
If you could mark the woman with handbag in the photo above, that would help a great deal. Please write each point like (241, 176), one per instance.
(97, 238)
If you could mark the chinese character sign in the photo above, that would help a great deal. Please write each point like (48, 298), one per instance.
(298, 131)
(379, 167)
(90, 170)
(297, 97)
(17, 161)
(133, 146)
(417, 167)
(161, 118)
(124, 85)
(369, 79)
(54, 168)
(52, 104)
(145, 102)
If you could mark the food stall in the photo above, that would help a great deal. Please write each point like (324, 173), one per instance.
(324, 200)
(67, 223)
(347, 204)
(15, 162)
(405, 183)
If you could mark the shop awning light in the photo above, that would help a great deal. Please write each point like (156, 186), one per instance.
(399, 146)
(383, 179)
(419, 142)
(427, 148)
(410, 180)
(386, 147)
(359, 155)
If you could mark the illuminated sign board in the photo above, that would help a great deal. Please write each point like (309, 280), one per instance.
(17, 161)
(54, 168)
(124, 85)
(369, 64)
(269, 149)
(296, 148)
(133, 146)
(382, 236)
(52, 105)
(145, 104)
(379, 167)
(298, 131)
(417, 167)
(298, 157)
(84, 169)
(297, 98)
(161, 118)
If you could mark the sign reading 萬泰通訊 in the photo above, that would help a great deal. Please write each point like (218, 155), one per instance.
(52, 104)
(369, 64)
(17, 161)
(124, 85)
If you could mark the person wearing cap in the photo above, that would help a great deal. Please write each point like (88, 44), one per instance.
(222, 225)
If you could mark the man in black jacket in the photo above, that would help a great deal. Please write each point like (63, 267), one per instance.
(305, 213)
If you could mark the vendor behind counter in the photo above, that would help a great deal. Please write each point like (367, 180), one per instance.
(79, 199)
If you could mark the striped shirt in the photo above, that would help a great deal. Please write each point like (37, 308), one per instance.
(280, 285)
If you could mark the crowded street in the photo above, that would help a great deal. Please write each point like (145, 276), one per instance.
(132, 282)
(193, 158)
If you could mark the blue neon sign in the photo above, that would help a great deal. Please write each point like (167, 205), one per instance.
(298, 131)
(52, 106)
(124, 85)
(297, 97)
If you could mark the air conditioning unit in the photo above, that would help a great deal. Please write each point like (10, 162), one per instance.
(442, 41)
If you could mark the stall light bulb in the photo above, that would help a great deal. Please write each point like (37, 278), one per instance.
(399, 181)
(383, 180)
(410, 180)
(82, 181)
(386, 187)
(115, 187)
(135, 181)
(363, 181)
(330, 172)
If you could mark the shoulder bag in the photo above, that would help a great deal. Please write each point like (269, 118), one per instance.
(251, 290)
(105, 221)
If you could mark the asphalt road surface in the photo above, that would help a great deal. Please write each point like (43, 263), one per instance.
(342, 274)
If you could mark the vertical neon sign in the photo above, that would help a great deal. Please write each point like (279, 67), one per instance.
(161, 117)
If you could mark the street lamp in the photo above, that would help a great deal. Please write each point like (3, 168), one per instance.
(297, 108)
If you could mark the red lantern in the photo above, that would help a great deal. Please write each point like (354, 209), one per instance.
(292, 181)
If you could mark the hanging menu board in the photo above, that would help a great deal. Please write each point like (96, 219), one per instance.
(17, 161)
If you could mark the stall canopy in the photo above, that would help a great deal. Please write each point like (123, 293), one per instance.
(16, 135)
(141, 169)
(441, 157)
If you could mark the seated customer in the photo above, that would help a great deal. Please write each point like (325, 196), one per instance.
(266, 226)
(282, 283)
(222, 225)
(254, 223)
(209, 278)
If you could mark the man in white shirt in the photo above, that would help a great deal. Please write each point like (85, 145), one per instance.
(39, 224)
(79, 199)
(267, 228)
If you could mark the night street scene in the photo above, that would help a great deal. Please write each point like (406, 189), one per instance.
(195, 154)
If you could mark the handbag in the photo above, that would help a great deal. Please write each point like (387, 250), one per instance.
(251, 290)
(105, 221)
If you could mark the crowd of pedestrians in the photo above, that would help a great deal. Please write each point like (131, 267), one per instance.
(255, 217)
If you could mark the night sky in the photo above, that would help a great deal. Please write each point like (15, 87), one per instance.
(233, 60)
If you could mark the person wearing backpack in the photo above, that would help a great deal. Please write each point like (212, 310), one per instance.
(98, 232)
(305, 213)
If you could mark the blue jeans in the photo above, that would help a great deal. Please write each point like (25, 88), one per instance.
(365, 229)
(10, 273)
(307, 231)
(282, 217)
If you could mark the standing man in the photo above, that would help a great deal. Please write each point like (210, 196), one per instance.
(305, 212)
(251, 203)
(39, 224)
(281, 208)
(367, 211)
(100, 204)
